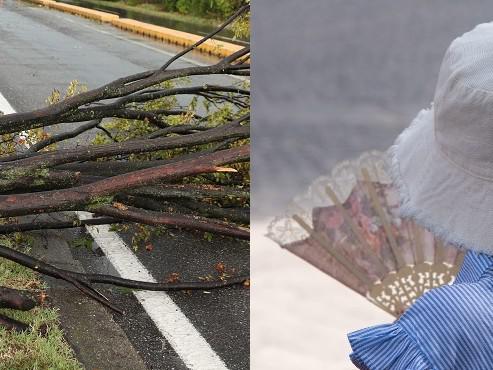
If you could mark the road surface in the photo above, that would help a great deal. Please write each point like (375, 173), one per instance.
(44, 49)
(331, 79)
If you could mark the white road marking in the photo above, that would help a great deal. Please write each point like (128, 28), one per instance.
(185, 339)
(188, 343)
(5, 106)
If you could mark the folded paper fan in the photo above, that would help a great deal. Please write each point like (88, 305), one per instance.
(348, 226)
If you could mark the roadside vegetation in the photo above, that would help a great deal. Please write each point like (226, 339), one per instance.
(42, 347)
(155, 10)
(200, 16)
(212, 9)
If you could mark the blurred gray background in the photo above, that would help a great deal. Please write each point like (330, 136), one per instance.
(333, 78)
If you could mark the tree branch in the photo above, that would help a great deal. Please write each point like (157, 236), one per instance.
(230, 20)
(78, 197)
(174, 220)
(87, 153)
(83, 281)
(46, 225)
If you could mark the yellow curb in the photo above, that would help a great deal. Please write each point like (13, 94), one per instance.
(213, 47)
(84, 12)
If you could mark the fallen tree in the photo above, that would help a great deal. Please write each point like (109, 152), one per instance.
(156, 153)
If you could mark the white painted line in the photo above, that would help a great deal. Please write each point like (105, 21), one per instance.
(188, 343)
(5, 106)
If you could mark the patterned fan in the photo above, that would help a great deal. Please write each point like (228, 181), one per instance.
(348, 226)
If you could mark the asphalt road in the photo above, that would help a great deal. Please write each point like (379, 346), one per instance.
(335, 78)
(43, 49)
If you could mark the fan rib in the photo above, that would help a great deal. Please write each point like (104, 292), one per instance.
(385, 222)
(320, 238)
(355, 229)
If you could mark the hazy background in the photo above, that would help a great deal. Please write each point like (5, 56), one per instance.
(331, 79)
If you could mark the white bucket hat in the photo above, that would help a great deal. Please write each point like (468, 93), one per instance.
(443, 162)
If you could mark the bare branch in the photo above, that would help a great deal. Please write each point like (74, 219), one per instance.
(230, 20)
(83, 281)
(174, 220)
(46, 225)
(86, 153)
(79, 197)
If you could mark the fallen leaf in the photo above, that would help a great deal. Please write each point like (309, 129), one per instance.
(220, 267)
(174, 277)
(120, 206)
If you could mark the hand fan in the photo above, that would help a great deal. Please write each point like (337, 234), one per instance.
(348, 226)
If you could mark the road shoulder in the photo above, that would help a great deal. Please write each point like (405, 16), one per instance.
(83, 320)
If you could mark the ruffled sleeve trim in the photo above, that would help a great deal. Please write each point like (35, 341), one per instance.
(386, 347)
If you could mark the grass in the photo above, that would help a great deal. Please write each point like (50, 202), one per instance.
(157, 10)
(29, 350)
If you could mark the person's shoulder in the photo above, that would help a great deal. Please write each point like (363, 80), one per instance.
(449, 301)
(455, 291)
